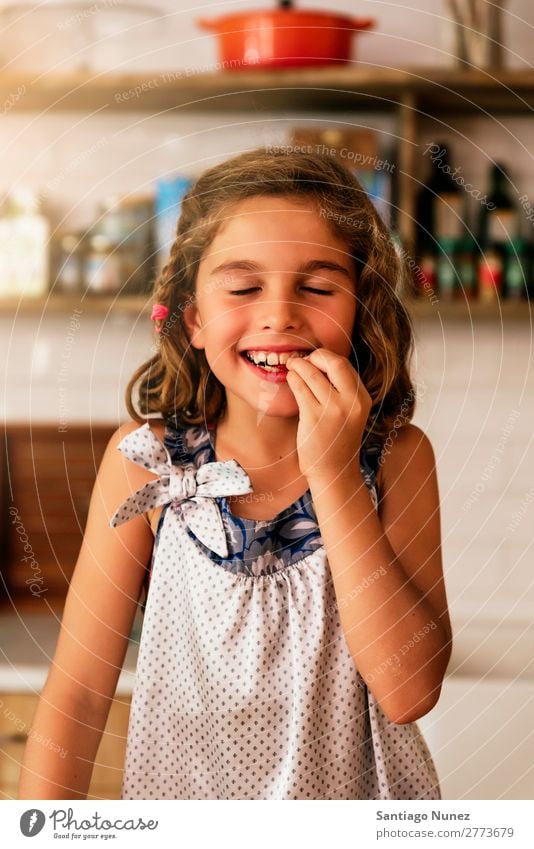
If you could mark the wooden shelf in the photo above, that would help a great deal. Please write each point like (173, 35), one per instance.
(64, 305)
(136, 305)
(466, 311)
(354, 86)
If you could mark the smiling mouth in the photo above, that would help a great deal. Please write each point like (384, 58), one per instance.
(271, 361)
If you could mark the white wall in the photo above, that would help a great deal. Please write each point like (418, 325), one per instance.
(478, 408)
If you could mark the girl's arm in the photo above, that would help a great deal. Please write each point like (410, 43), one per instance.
(388, 575)
(97, 619)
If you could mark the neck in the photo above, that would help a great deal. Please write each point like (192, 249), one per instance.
(267, 441)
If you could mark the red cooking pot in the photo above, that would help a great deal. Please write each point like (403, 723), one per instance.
(284, 37)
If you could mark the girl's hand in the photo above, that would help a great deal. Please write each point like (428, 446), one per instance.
(334, 406)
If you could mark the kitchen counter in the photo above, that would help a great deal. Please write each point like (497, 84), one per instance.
(485, 649)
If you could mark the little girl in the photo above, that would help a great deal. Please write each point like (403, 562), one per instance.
(295, 623)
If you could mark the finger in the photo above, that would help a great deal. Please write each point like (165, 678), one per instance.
(300, 389)
(316, 381)
(339, 371)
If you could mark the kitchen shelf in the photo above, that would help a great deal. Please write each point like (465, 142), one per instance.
(65, 304)
(465, 311)
(136, 305)
(340, 87)
(410, 94)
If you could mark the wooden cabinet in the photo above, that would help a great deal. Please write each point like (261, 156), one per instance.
(16, 714)
(51, 474)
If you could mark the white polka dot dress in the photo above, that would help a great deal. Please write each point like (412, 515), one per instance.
(245, 687)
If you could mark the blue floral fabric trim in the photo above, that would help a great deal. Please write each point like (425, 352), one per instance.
(257, 547)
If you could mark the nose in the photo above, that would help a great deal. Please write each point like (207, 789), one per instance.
(279, 312)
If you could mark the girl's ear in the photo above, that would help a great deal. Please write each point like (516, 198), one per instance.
(193, 326)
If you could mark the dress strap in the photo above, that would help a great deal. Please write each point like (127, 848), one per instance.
(192, 490)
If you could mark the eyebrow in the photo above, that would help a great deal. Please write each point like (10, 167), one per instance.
(306, 268)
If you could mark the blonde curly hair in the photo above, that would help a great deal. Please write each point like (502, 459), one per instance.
(177, 381)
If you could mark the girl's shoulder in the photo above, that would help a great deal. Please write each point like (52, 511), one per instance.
(407, 455)
(184, 445)
(129, 442)
(124, 476)
(126, 434)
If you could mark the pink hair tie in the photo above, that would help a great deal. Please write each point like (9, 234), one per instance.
(159, 313)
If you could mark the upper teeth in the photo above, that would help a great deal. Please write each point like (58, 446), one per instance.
(273, 359)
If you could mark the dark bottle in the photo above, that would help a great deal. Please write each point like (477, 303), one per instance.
(425, 277)
(440, 206)
(499, 226)
(466, 267)
(499, 216)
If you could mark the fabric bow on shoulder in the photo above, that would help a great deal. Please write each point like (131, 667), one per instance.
(194, 489)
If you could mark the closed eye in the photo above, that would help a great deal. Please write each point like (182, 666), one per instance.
(309, 288)
(318, 291)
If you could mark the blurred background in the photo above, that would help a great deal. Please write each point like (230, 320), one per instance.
(109, 111)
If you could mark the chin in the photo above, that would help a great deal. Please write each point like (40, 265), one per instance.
(284, 411)
(271, 400)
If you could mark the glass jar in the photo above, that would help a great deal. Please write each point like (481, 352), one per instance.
(70, 269)
(103, 266)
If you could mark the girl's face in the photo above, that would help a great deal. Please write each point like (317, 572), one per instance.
(274, 277)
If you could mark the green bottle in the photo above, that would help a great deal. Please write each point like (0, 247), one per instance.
(466, 266)
(446, 273)
(516, 269)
